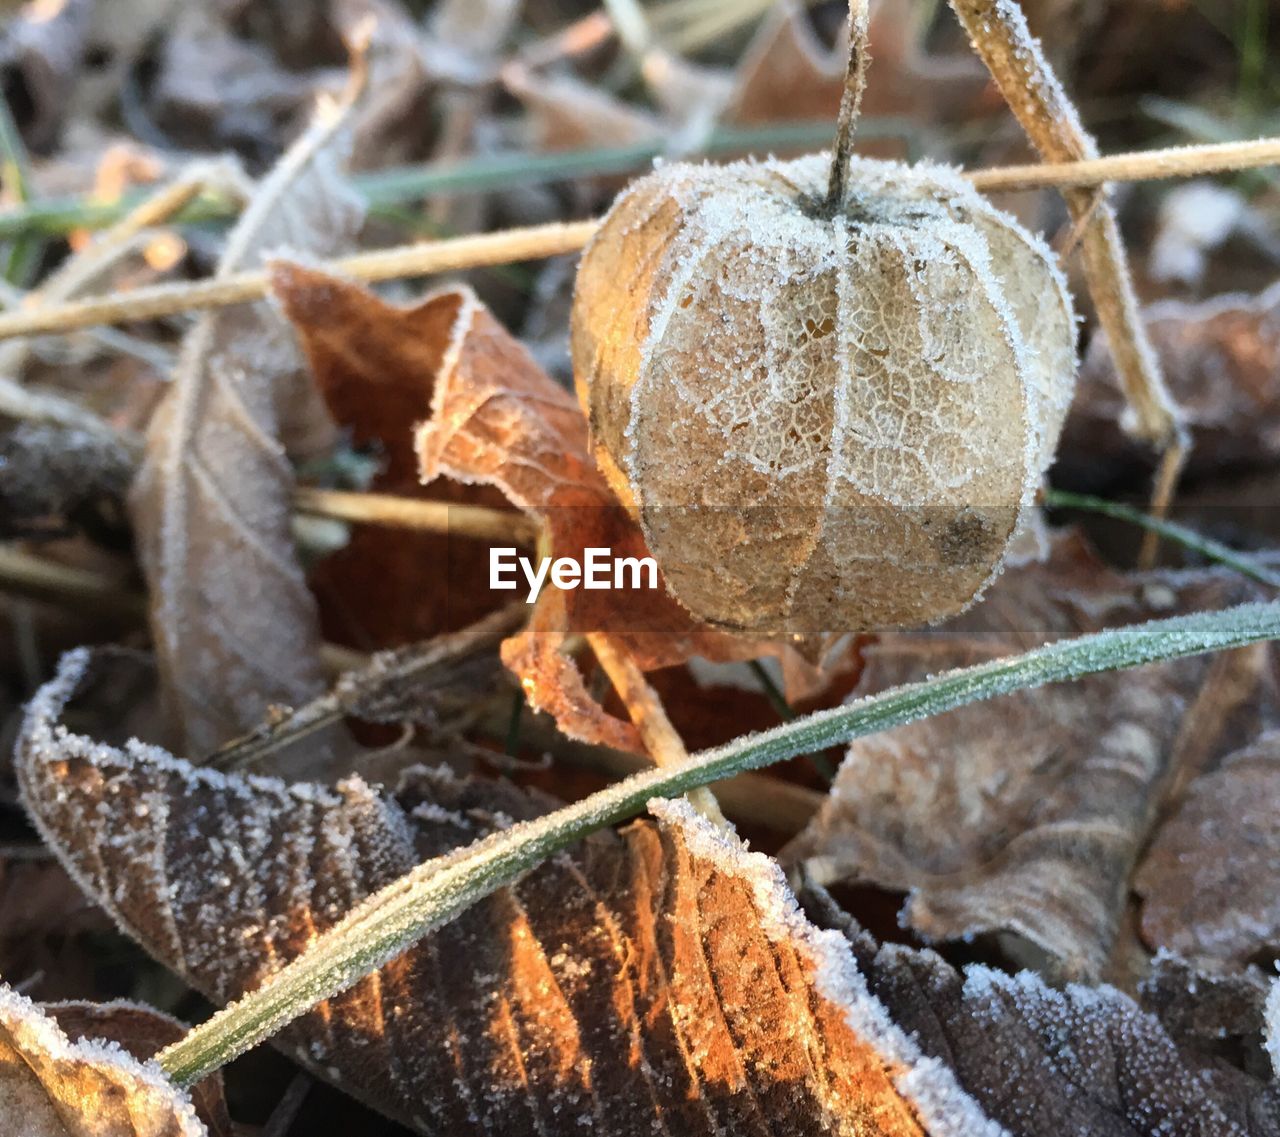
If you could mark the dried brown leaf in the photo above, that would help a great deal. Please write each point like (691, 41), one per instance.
(234, 625)
(495, 418)
(660, 979)
(1028, 813)
(143, 1032)
(566, 113)
(1044, 1062)
(1214, 1013)
(51, 1087)
(787, 72)
(1211, 881)
(1221, 360)
(374, 365)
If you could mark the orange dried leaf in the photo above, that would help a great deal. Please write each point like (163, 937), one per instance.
(52, 1087)
(660, 979)
(495, 418)
(375, 366)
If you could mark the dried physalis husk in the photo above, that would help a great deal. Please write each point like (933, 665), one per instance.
(822, 423)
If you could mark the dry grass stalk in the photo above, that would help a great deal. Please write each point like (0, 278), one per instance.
(664, 744)
(474, 521)
(1002, 40)
(541, 241)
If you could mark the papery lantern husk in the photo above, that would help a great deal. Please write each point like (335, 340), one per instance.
(822, 423)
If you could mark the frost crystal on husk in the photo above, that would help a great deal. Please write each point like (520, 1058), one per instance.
(822, 423)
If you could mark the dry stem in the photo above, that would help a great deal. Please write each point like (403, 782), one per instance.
(540, 241)
(661, 739)
(855, 81)
(236, 288)
(478, 522)
(1146, 165)
(1001, 38)
(41, 579)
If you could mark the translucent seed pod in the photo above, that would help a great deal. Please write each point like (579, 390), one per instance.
(822, 422)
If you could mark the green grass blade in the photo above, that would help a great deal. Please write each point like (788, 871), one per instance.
(478, 174)
(1207, 547)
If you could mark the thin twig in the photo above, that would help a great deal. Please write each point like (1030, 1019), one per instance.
(661, 739)
(42, 579)
(855, 82)
(479, 522)
(1163, 488)
(388, 674)
(286, 1109)
(236, 288)
(1001, 38)
(531, 243)
(78, 272)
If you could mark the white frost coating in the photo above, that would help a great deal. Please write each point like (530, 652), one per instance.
(235, 627)
(154, 1101)
(1271, 1026)
(430, 437)
(929, 1085)
(1194, 220)
(1076, 1020)
(818, 404)
(49, 742)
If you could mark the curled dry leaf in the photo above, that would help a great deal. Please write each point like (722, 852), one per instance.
(495, 418)
(1216, 1013)
(143, 1032)
(1221, 360)
(1028, 813)
(375, 365)
(660, 979)
(1211, 881)
(1043, 1062)
(234, 625)
(52, 1087)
